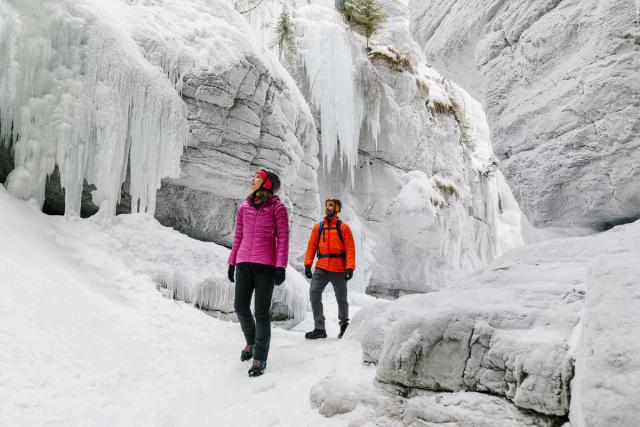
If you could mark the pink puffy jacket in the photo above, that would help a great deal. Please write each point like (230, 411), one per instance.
(262, 234)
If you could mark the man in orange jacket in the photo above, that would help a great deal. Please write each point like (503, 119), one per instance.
(333, 242)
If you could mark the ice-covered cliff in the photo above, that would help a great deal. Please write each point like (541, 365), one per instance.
(561, 87)
(79, 93)
(105, 96)
(397, 140)
(406, 150)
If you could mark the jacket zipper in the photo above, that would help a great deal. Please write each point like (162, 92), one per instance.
(253, 232)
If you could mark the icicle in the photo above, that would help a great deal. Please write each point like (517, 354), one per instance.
(77, 92)
(326, 53)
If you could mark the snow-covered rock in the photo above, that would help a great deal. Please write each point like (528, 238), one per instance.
(469, 409)
(607, 361)
(560, 83)
(512, 330)
(381, 405)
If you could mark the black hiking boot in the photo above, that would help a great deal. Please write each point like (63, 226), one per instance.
(315, 334)
(343, 327)
(246, 354)
(257, 368)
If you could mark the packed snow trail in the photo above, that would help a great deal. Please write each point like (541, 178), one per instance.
(85, 341)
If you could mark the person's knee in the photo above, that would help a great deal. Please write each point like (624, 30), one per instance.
(315, 293)
(341, 298)
(241, 309)
(263, 314)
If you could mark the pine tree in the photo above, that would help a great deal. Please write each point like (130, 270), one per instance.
(345, 10)
(285, 37)
(366, 15)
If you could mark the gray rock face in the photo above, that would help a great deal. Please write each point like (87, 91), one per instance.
(605, 388)
(512, 331)
(383, 405)
(469, 409)
(560, 81)
(241, 119)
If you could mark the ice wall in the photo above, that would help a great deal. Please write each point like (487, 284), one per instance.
(77, 92)
(326, 53)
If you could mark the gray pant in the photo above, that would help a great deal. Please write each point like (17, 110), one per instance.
(319, 281)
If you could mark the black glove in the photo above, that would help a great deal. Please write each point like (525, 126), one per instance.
(231, 273)
(307, 271)
(278, 276)
(348, 274)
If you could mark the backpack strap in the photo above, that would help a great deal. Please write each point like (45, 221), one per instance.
(339, 230)
(320, 229)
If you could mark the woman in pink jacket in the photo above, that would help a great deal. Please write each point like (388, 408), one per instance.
(258, 258)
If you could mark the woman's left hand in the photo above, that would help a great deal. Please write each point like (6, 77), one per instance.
(279, 276)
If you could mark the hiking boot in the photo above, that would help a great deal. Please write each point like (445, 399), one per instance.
(315, 334)
(343, 327)
(257, 368)
(246, 354)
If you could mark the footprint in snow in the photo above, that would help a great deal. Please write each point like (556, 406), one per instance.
(261, 387)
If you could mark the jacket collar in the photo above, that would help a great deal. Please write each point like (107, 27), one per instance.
(273, 200)
(333, 220)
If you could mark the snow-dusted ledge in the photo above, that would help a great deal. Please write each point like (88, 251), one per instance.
(522, 330)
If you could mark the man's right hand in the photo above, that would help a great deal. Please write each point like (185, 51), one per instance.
(307, 271)
(348, 274)
(231, 273)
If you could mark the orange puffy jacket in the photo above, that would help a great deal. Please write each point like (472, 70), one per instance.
(330, 244)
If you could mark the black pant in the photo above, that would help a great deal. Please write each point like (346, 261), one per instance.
(258, 277)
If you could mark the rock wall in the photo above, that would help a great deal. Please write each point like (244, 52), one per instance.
(241, 119)
(560, 83)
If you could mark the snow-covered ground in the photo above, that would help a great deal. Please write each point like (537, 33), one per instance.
(87, 339)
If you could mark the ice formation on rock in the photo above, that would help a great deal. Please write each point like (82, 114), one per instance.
(77, 92)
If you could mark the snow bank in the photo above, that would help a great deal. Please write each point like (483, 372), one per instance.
(180, 267)
(86, 338)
